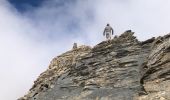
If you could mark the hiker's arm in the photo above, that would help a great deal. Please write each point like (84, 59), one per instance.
(104, 32)
(112, 31)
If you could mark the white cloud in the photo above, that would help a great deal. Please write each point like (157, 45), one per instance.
(29, 41)
(23, 55)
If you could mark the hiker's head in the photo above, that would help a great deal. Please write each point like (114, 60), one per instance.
(108, 25)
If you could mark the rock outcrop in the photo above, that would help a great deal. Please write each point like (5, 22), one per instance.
(121, 69)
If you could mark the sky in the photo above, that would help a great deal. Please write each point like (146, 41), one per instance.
(32, 32)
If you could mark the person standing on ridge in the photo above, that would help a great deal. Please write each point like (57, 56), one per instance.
(108, 31)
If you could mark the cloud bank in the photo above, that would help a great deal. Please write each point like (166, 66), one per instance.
(31, 39)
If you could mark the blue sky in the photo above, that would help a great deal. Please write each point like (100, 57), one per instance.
(33, 32)
(24, 5)
(28, 5)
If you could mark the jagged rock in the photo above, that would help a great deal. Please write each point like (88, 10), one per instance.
(121, 69)
(156, 80)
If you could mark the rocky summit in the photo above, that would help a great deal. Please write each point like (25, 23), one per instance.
(120, 69)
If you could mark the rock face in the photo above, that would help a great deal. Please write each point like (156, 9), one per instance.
(121, 69)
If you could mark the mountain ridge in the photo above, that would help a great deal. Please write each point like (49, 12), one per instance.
(120, 69)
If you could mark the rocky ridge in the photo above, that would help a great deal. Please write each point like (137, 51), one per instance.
(121, 69)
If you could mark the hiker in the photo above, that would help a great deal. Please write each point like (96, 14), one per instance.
(108, 31)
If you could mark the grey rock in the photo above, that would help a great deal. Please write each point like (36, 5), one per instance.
(121, 69)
